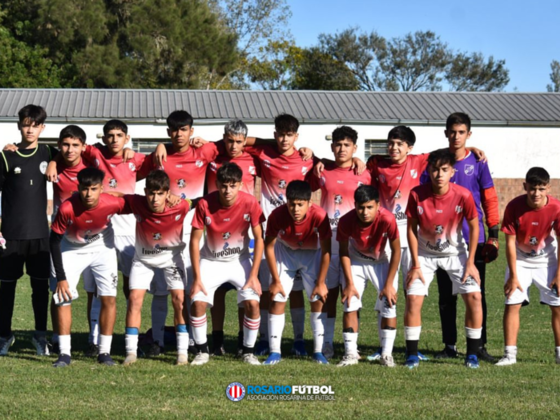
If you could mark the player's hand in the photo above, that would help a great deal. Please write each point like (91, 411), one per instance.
(414, 274)
(321, 291)
(51, 173)
(490, 250)
(480, 155)
(390, 294)
(555, 284)
(348, 292)
(358, 165)
(306, 153)
(512, 284)
(197, 286)
(254, 284)
(197, 142)
(63, 291)
(173, 200)
(128, 154)
(275, 288)
(471, 272)
(318, 169)
(10, 147)
(160, 155)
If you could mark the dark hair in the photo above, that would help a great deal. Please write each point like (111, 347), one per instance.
(90, 176)
(229, 172)
(157, 181)
(178, 119)
(298, 190)
(440, 157)
(365, 193)
(403, 133)
(34, 113)
(537, 176)
(73, 132)
(115, 125)
(458, 118)
(344, 132)
(286, 123)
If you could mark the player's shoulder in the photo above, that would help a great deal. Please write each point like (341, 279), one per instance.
(554, 203)
(460, 190)
(247, 198)
(318, 210)
(386, 216)
(348, 219)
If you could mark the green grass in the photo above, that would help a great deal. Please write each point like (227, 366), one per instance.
(31, 388)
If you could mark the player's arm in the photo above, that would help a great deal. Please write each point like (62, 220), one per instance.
(470, 268)
(480, 155)
(489, 202)
(275, 285)
(257, 142)
(51, 173)
(320, 288)
(253, 279)
(512, 282)
(415, 271)
(345, 263)
(62, 288)
(389, 291)
(194, 250)
(555, 284)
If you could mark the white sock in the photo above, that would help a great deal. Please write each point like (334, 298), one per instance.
(350, 343)
(54, 338)
(250, 331)
(412, 333)
(159, 315)
(131, 340)
(379, 329)
(511, 351)
(318, 321)
(298, 322)
(263, 329)
(94, 323)
(474, 333)
(182, 339)
(329, 330)
(388, 341)
(65, 344)
(557, 351)
(276, 328)
(199, 327)
(105, 343)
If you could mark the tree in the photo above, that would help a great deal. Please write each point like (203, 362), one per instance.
(472, 73)
(554, 77)
(276, 71)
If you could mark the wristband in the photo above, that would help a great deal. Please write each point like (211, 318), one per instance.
(415, 268)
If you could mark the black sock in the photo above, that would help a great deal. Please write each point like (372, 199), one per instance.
(202, 348)
(240, 340)
(7, 299)
(40, 301)
(217, 339)
(412, 347)
(248, 350)
(473, 345)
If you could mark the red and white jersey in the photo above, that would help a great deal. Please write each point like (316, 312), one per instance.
(535, 245)
(277, 171)
(66, 184)
(440, 219)
(394, 182)
(306, 234)
(159, 236)
(368, 243)
(245, 161)
(227, 228)
(88, 227)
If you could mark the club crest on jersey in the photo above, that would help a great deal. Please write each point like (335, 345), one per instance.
(131, 166)
(303, 170)
(177, 217)
(282, 184)
(43, 167)
(199, 164)
(156, 236)
(338, 199)
(439, 229)
(266, 163)
(398, 194)
(208, 221)
(382, 178)
(414, 173)
(226, 235)
(247, 217)
(17, 170)
(252, 170)
(213, 166)
(533, 241)
(458, 209)
(469, 170)
(113, 183)
(420, 210)
(181, 183)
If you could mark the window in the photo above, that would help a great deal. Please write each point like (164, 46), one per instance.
(146, 146)
(375, 147)
(50, 141)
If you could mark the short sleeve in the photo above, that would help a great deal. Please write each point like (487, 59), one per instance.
(393, 230)
(146, 167)
(257, 216)
(62, 218)
(53, 152)
(209, 151)
(314, 181)
(272, 228)
(411, 207)
(90, 153)
(484, 177)
(200, 214)
(324, 230)
(469, 211)
(509, 222)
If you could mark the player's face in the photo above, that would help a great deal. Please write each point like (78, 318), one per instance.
(71, 150)
(115, 140)
(285, 141)
(367, 211)
(457, 136)
(228, 192)
(234, 144)
(30, 131)
(298, 209)
(536, 195)
(440, 175)
(398, 150)
(90, 195)
(343, 151)
(156, 200)
(180, 137)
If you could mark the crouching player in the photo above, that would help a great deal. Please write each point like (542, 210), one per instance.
(159, 244)
(531, 257)
(435, 214)
(82, 238)
(298, 239)
(363, 235)
(227, 215)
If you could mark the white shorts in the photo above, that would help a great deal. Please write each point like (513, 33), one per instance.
(541, 277)
(265, 279)
(216, 273)
(141, 274)
(125, 252)
(87, 276)
(406, 263)
(334, 275)
(454, 266)
(362, 272)
(289, 263)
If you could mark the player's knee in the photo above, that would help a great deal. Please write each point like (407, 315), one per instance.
(251, 308)
(198, 308)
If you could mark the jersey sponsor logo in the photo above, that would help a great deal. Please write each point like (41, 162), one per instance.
(113, 183)
(469, 170)
(156, 236)
(199, 163)
(338, 199)
(247, 217)
(382, 178)
(89, 238)
(227, 251)
(157, 250)
(533, 241)
(458, 209)
(399, 214)
(439, 246)
(277, 202)
(252, 170)
(414, 173)
(131, 166)
(181, 183)
(420, 210)
(226, 235)
(282, 184)
(208, 220)
(43, 167)
(17, 170)
(235, 391)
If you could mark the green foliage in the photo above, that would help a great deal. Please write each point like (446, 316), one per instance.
(473, 73)
(554, 77)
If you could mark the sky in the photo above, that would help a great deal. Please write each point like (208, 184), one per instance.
(525, 34)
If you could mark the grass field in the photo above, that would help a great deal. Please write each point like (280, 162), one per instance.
(31, 388)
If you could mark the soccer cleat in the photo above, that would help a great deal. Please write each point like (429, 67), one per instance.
(387, 360)
(328, 350)
(509, 360)
(447, 353)
(200, 359)
(105, 359)
(471, 361)
(483, 355)
(219, 351)
(272, 359)
(63, 360)
(375, 356)
(262, 348)
(182, 359)
(348, 360)
(250, 359)
(412, 361)
(130, 359)
(320, 358)
(5, 344)
(423, 357)
(154, 350)
(92, 350)
(298, 349)
(41, 345)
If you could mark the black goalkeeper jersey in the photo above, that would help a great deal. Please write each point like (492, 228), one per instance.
(24, 192)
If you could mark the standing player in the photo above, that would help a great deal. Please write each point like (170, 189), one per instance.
(82, 238)
(159, 234)
(298, 239)
(363, 235)
(531, 257)
(337, 183)
(25, 227)
(435, 214)
(226, 215)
